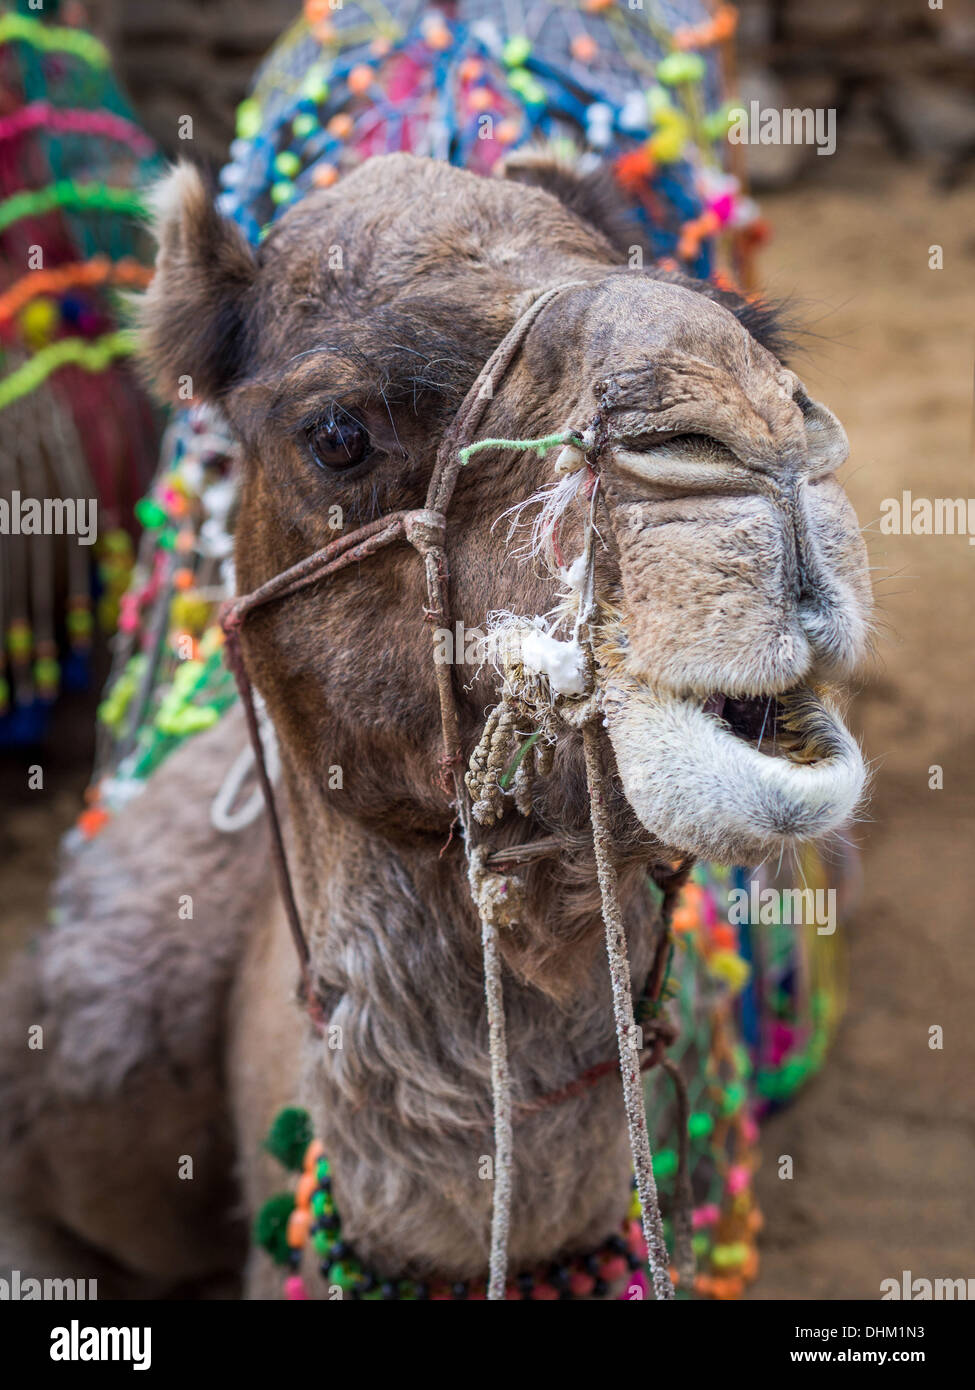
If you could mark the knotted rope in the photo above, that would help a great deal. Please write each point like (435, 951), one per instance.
(426, 529)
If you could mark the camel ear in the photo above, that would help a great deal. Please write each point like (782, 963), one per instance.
(828, 444)
(192, 319)
(590, 192)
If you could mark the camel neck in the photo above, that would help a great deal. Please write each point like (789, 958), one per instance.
(398, 1085)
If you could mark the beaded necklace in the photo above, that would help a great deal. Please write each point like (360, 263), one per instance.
(289, 1223)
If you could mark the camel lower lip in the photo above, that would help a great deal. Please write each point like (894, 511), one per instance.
(732, 779)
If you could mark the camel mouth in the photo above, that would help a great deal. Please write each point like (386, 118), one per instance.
(782, 725)
(733, 778)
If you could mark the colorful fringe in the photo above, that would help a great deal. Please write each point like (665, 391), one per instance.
(74, 425)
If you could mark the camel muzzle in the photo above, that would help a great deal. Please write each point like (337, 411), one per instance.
(720, 780)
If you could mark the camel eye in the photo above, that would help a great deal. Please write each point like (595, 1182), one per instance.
(338, 443)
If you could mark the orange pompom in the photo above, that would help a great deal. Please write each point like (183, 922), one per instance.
(633, 169)
(507, 131)
(584, 48)
(90, 822)
(479, 98)
(437, 36)
(470, 70)
(341, 125)
(684, 919)
(731, 1287)
(298, 1225)
(318, 11)
(360, 79)
(183, 579)
(313, 1153)
(303, 1192)
(325, 175)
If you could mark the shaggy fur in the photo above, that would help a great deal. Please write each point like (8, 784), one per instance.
(436, 265)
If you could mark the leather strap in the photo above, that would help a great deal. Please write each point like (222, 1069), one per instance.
(426, 530)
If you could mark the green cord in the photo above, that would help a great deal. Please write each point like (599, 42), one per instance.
(66, 193)
(516, 761)
(93, 357)
(547, 441)
(53, 39)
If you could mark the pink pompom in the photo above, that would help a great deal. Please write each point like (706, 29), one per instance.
(705, 1216)
(738, 1179)
(294, 1287)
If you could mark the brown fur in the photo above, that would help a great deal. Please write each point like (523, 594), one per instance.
(436, 265)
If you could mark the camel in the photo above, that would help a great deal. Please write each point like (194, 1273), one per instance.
(735, 582)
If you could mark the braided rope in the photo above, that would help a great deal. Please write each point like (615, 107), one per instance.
(619, 970)
(500, 1092)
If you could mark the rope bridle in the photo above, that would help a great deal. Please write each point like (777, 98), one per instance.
(425, 529)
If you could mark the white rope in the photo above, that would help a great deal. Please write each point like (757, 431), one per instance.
(500, 1087)
(616, 953)
(619, 971)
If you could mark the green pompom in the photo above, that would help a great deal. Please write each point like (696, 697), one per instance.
(288, 164)
(248, 119)
(664, 1163)
(516, 51)
(678, 68)
(271, 1227)
(699, 1125)
(150, 514)
(345, 1273)
(289, 1137)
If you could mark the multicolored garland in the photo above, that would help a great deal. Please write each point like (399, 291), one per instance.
(289, 1224)
(74, 424)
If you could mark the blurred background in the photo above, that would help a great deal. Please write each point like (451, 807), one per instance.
(882, 1140)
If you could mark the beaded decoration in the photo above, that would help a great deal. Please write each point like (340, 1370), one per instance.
(289, 1225)
(75, 428)
(471, 83)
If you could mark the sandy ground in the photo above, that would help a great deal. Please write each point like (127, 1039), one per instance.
(882, 1143)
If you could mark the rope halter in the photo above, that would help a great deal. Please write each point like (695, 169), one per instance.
(425, 529)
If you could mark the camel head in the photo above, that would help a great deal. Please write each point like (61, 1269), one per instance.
(730, 564)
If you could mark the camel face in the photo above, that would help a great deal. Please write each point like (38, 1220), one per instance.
(743, 584)
(340, 353)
